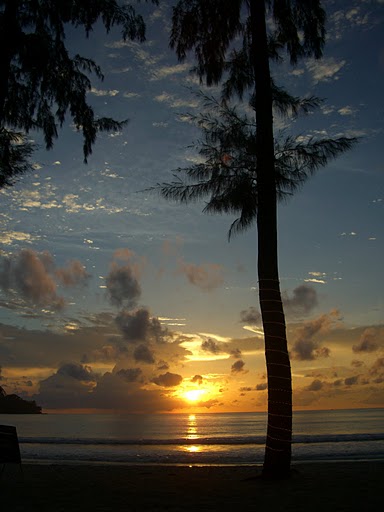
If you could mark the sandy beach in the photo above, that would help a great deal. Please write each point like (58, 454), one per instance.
(334, 486)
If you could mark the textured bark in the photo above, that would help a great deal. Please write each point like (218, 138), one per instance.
(279, 430)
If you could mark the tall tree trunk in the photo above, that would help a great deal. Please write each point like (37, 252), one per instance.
(277, 458)
(9, 33)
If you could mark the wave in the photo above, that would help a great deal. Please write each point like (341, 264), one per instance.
(227, 440)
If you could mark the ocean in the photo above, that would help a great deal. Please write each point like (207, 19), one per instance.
(194, 439)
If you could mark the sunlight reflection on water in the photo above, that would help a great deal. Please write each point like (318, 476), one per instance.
(192, 428)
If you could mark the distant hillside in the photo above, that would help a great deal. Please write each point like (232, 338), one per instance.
(13, 404)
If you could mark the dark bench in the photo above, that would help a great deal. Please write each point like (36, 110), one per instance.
(9, 446)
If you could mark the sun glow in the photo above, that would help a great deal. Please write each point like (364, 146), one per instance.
(194, 394)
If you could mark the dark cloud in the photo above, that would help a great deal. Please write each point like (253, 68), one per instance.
(250, 316)
(138, 326)
(236, 353)
(209, 403)
(207, 276)
(368, 341)
(306, 347)
(77, 371)
(122, 285)
(168, 380)
(303, 300)
(211, 346)
(107, 353)
(130, 374)
(69, 387)
(238, 366)
(351, 381)
(144, 354)
(197, 379)
(111, 392)
(262, 386)
(315, 385)
(259, 387)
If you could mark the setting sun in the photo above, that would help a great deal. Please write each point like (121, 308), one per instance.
(194, 394)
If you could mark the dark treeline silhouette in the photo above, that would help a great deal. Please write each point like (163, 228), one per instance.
(13, 404)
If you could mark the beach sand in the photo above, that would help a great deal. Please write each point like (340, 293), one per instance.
(325, 486)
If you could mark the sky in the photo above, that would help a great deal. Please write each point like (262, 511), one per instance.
(113, 299)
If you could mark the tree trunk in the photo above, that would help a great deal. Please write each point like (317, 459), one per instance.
(277, 458)
(9, 33)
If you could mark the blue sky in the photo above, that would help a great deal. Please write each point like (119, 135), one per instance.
(175, 263)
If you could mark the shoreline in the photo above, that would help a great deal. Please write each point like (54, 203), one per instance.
(71, 462)
(342, 486)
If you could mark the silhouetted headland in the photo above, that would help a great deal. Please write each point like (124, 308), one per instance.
(13, 404)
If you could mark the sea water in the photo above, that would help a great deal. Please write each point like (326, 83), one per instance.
(233, 438)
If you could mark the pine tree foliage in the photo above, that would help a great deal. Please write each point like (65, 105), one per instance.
(41, 84)
(226, 177)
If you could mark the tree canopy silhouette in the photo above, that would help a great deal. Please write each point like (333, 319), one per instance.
(41, 83)
(227, 175)
(212, 30)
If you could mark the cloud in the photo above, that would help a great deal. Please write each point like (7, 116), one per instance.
(68, 387)
(351, 381)
(250, 316)
(73, 274)
(303, 300)
(238, 366)
(208, 403)
(174, 102)
(122, 281)
(368, 342)
(347, 111)
(107, 353)
(32, 276)
(100, 92)
(129, 94)
(168, 380)
(166, 71)
(261, 387)
(77, 371)
(144, 354)
(315, 385)
(211, 346)
(325, 70)
(195, 379)
(130, 374)
(236, 353)
(377, 370)
(112, 391)
(138, 326)
(8, 237)
(207, 276)
(306, 348)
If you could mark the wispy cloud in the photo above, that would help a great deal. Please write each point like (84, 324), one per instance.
(101, 92)
(326, 70)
